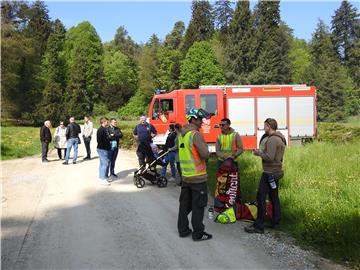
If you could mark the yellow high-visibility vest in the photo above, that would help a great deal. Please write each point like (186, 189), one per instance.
(227, 144)
(190, 162)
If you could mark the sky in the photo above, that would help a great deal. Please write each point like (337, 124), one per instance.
(141, 19)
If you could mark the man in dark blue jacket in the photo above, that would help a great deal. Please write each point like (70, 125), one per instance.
(143, 133)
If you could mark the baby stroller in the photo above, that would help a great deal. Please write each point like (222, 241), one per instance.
(149, 172)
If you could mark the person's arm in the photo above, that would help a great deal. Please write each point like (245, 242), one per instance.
(135, 133)
(153, 130)
(42, 134)
(269, 154)
(67, 133)
(201, 146)
(175, 147)
(91, 128)
(239, 145)
(219, 153)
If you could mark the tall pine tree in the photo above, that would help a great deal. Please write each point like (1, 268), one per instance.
(201, 26)
(37, 30)
(174, 39)
(223, 14)
(329, 76)
(239, 54)
(345, 26)
(272, 63)
(53, 74)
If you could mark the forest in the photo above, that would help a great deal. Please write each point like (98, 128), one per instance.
(50, 72)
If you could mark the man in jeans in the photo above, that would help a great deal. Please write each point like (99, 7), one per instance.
(45, 138)
(272, 148)
(87, 133)
(72, 135)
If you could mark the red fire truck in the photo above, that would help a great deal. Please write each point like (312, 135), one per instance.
(247, 106)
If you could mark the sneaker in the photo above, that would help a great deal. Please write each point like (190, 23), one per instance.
(65, 163)
(185, 233)
(104, 182)
(253, 229)
(109, 179)
(114, 175)
(45, 161)
(85, 158)
(74, 162)
(172, 179)
(203, 237)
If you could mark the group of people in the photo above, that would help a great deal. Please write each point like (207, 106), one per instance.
(193, 154)
(187, 154)
(67, 137)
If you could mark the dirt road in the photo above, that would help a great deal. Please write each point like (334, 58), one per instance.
(59, 217)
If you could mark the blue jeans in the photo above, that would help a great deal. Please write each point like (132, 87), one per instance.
(113, 156)
(70, 143)
(169, 158)
(104, 156)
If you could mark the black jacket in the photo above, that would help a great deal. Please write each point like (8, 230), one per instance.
(170, 140)
(103, 138)
(72, 131)
(45, 134)
(115, 134)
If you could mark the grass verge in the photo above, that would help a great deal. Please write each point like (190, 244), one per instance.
(319, 195)
(18, 142)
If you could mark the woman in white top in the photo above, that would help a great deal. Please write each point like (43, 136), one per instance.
(60, 139)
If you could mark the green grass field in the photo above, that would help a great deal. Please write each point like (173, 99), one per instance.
(18, 142)
(319, 195)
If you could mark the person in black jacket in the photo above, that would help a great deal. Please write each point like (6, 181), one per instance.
(115, 135)
(170, 157)
(103, 149)
(45, 138)
(72, 135)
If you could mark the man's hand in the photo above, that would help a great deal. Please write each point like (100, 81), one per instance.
(256, 152)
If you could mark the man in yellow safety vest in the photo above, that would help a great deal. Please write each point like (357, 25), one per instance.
(228, 143)
(193, 153)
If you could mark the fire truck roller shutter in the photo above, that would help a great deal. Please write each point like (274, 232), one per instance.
(301, 117)
(242, 115)
(272, 107)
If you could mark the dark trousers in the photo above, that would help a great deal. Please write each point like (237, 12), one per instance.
(113, 156)
(193, 198)
(59, 152)
(87, 141)
(144, 153)
(263, 191)
(178, 167)
(44, 150)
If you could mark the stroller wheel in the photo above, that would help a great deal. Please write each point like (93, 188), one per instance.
(162, 182)
(140, 183)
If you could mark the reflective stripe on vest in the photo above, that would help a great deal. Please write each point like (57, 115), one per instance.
(190, 162)
(227, 144)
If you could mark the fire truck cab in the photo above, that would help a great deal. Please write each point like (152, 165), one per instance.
(247, 106)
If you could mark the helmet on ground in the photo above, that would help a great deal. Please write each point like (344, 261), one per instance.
(197, 113)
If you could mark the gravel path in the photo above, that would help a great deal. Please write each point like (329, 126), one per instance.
(59, 217)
